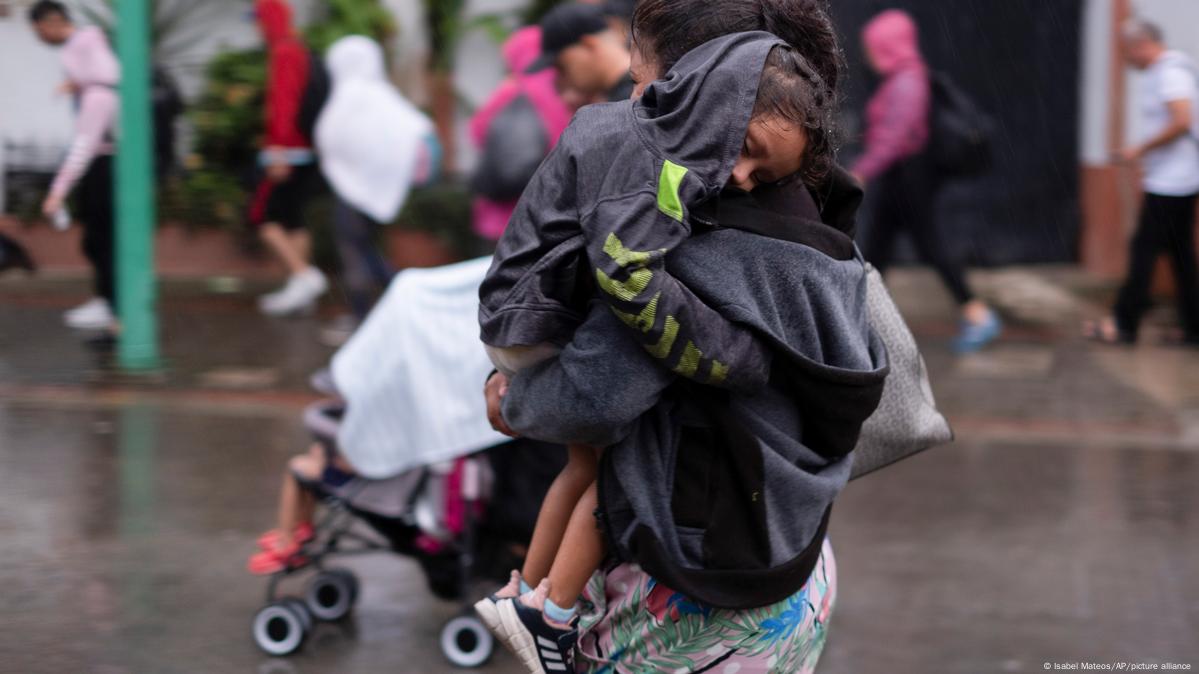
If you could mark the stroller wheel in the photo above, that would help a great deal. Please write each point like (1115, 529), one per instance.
(301, 609)
(466, 642)
(278, 629)
(351, 579)
(330, 595)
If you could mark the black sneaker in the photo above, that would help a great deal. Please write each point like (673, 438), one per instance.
(541, 647)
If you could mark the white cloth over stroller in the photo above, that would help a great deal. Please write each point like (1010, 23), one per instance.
(412, 375)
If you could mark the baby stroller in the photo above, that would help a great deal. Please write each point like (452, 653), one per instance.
(460, 520)
(435, 482)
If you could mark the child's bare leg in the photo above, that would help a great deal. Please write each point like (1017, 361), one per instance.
(297, 505)
(556, 511)
(580, 554)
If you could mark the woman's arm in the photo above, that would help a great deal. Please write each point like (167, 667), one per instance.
(602, 382)
(97, 113)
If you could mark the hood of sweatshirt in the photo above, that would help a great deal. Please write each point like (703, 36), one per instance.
(274, 20)
(893, 42)
(521, 49)
(719, 78)
(356, 59)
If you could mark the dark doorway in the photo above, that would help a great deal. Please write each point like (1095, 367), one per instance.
(1020, 60)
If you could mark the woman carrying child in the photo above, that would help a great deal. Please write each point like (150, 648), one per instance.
(725, 372)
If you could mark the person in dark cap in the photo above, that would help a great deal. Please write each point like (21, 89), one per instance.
(591, 56)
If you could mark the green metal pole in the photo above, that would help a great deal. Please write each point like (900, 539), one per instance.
(136, 291)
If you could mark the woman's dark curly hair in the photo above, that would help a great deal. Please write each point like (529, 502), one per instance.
(798, 84)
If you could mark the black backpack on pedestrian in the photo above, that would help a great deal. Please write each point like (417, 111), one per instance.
(514, 148)
(316, 94)
(961, 135)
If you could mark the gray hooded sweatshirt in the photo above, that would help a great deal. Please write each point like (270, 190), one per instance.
(613, 199)
(724, 495)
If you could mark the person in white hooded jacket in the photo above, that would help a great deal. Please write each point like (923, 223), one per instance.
(373, 146)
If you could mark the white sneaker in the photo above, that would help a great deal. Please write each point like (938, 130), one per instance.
(300, 294)
(267, 302)
(95, 314)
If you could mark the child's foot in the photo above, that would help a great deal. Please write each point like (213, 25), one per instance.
(486, 607)
(267, 562)
(302, 534)
(541, 644)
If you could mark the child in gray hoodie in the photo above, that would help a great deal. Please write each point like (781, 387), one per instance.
(626, 185)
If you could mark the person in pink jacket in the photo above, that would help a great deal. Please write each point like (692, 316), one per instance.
(895, 165)
(93, 74)
(520, 51)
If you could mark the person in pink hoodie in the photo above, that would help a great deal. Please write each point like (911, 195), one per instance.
(520, 51)
(93, 74)
(895, 165)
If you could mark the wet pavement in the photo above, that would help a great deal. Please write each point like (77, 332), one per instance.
(1063, 526)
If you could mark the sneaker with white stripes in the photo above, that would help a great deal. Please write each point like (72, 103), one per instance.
(541, 647)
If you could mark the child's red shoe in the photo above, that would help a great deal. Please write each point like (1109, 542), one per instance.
(303, 533)
(267, 562)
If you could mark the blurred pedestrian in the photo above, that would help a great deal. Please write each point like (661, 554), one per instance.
(93, 74)
(897, 165)
(524, 106)
(591, 56)
(373, 146)
(291, 173)
(1168, 106)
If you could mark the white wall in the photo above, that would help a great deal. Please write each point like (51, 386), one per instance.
(29, 72)
(1094, 83)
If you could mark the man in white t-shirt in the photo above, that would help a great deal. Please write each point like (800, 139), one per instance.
(1168, 151)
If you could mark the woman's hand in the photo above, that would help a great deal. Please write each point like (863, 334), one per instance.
(493, 392)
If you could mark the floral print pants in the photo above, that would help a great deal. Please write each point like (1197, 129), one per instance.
(635, 625)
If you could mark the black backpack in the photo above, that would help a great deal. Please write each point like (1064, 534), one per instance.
(961, 135)
(316, 94)
(516, 144)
